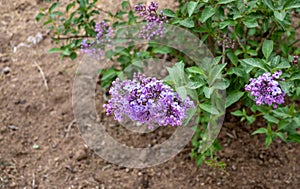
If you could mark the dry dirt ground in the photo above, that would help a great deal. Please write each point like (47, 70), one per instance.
(37, 151)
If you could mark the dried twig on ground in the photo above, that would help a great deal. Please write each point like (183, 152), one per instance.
(69, 128)
(42, 74)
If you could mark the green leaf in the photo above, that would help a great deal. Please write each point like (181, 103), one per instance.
(268, 140)
(252, 52)
(162, 50)
(250, 119)
(226, 23)
(280, 15)
(195, 70)
(108, 74)
(281, 135)
(292, 4)
(191, 7)
(55, 50)
(66, 52)
(216, 60)
(200, 159)
(283, 113)
(283, 64)
(53, 6)
(209, 108)
(267, 48)
(275, 61)
(269, 3)
(82, 3)
(295, 77)
(237, 113)
(283, 124)
(169, 13)
(286, 86)
(181, 92)
(195, 85)
(225, 1)
(260, 131)
(220, 84)
(207, 13)
(215, 73)
(69, 6)
(271, 119)
(254, 62)
(124, 5)
(250, 22)
(39, 16)
(55, 13)
(177, 75)
(188, 22)
(232, 57)
(239, 71)
(233, 97)
(48, 22)
(73, 55)
(295, 137)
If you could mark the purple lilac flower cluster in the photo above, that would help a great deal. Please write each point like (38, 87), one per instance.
(155, 21)
(147, 100)
(266, 89)
(103, 37)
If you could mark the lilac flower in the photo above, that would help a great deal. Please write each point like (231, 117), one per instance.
(97, 46)
(266, 89)
(296, 59)
(147, 100)
(155, 21)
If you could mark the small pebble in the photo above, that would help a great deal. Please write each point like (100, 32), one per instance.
(81, 155)
(6, 70)
(12, 127)
(233, 167)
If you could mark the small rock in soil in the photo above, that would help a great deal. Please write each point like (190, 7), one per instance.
(21, 102)
(233, 167)
(5, 70)
(81, 154)
(12, 127)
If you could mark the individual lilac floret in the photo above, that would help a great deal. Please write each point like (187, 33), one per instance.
(147, 100)
(97, 46)
(266, 89)
(296, 59)
(155, 21)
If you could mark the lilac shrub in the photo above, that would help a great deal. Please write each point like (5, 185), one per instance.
(147, 100)
(266, 89)
(155, 21)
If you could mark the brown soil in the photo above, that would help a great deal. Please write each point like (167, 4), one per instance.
(37, 151)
